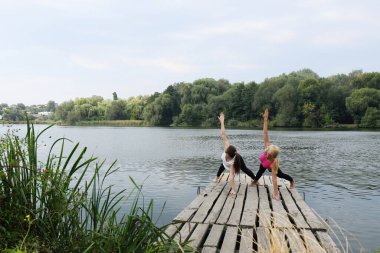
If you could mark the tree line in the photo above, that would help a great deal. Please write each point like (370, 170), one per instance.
(297, 99)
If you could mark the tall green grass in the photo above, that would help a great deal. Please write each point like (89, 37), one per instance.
(65, 203)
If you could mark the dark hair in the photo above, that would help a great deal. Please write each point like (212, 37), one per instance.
(232, 152)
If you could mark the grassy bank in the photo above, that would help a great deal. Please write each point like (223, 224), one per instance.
(232, 124)
(118, 123)
(65, 204)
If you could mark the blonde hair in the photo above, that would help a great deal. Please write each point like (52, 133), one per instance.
(273, 151)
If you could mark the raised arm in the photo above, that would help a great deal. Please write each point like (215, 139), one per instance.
(223, 131)
(265, 127)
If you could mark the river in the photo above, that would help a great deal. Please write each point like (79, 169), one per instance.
(339, 171)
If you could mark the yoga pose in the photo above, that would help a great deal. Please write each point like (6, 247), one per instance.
(270, 161)
(231, 160)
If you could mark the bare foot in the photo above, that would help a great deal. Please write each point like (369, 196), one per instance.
(292, 184)
(216, 179)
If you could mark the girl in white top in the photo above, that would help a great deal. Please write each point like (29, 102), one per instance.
(231, 160)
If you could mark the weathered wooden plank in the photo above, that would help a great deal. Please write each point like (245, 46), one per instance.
(226, 211)
(209, 250)
(224, 177)
(263, 177)
(185, 215)
(247, 179)
(204, 209)
(280, 216)
(311, 243)
(238, 206)
(296, 195)
(293, 211)
(264, 208)
(229, 242)
(263, 240)
(185, 231)
(261, 181)
(268, 180)
(296, 243)
(250, 207)
(172, 229)
(327, 242)
(278, 241)
(198, 235)
(214, 236)
(246, 241)
(217, 208)
(311, 218)
(241, 177)
(216, 205)
(280, 182)
(286, 183)
(218, 187)
(210, 186)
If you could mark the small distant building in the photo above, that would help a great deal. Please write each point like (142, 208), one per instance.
(1, 117)
(44, 113)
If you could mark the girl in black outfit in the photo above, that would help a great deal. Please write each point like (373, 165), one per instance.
(231, 160)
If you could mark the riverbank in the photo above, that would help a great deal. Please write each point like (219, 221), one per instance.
(142, 123)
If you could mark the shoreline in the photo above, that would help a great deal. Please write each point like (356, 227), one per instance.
(141, 123)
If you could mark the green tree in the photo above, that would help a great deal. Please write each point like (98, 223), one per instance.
(14, 112)
(334, 99)
(247, 96)
(371, 118)
(51, 106)
(311, 115)
(264, 96)
(286, 104)
(114, 95)
(367, 80)
(63, 110)
(234, 102)
(3, 107)
(116, 110)
(135, 107)
(359, 101)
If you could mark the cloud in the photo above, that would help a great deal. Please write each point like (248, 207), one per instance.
(89, 63)
(270, 31)
(246, 66)
(171, 65)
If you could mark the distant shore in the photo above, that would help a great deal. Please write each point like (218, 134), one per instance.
(141, 123)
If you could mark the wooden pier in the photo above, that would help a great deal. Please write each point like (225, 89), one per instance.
(250, 221)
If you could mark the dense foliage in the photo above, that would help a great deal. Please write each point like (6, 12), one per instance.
(298, 99)
(66, 204)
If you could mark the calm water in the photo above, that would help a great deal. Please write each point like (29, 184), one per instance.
(339, 171)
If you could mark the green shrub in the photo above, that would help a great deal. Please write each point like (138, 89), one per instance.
(65, 204)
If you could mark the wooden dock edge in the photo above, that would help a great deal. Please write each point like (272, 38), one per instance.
(250, 221)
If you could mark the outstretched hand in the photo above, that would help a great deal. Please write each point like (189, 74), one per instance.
(266, 114)
(221, 117)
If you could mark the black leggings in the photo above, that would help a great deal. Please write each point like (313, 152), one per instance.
(280, 174)
(243, 167)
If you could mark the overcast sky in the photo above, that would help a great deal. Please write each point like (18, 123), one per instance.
(64, 49)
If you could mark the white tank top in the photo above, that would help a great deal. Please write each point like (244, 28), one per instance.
(227, 165)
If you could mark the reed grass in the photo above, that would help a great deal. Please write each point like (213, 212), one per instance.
(116, 123)
(284, 240)
(65, 205)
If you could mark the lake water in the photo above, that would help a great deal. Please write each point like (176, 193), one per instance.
(339, 171)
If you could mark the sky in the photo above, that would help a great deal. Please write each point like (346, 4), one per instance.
(63, 49)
